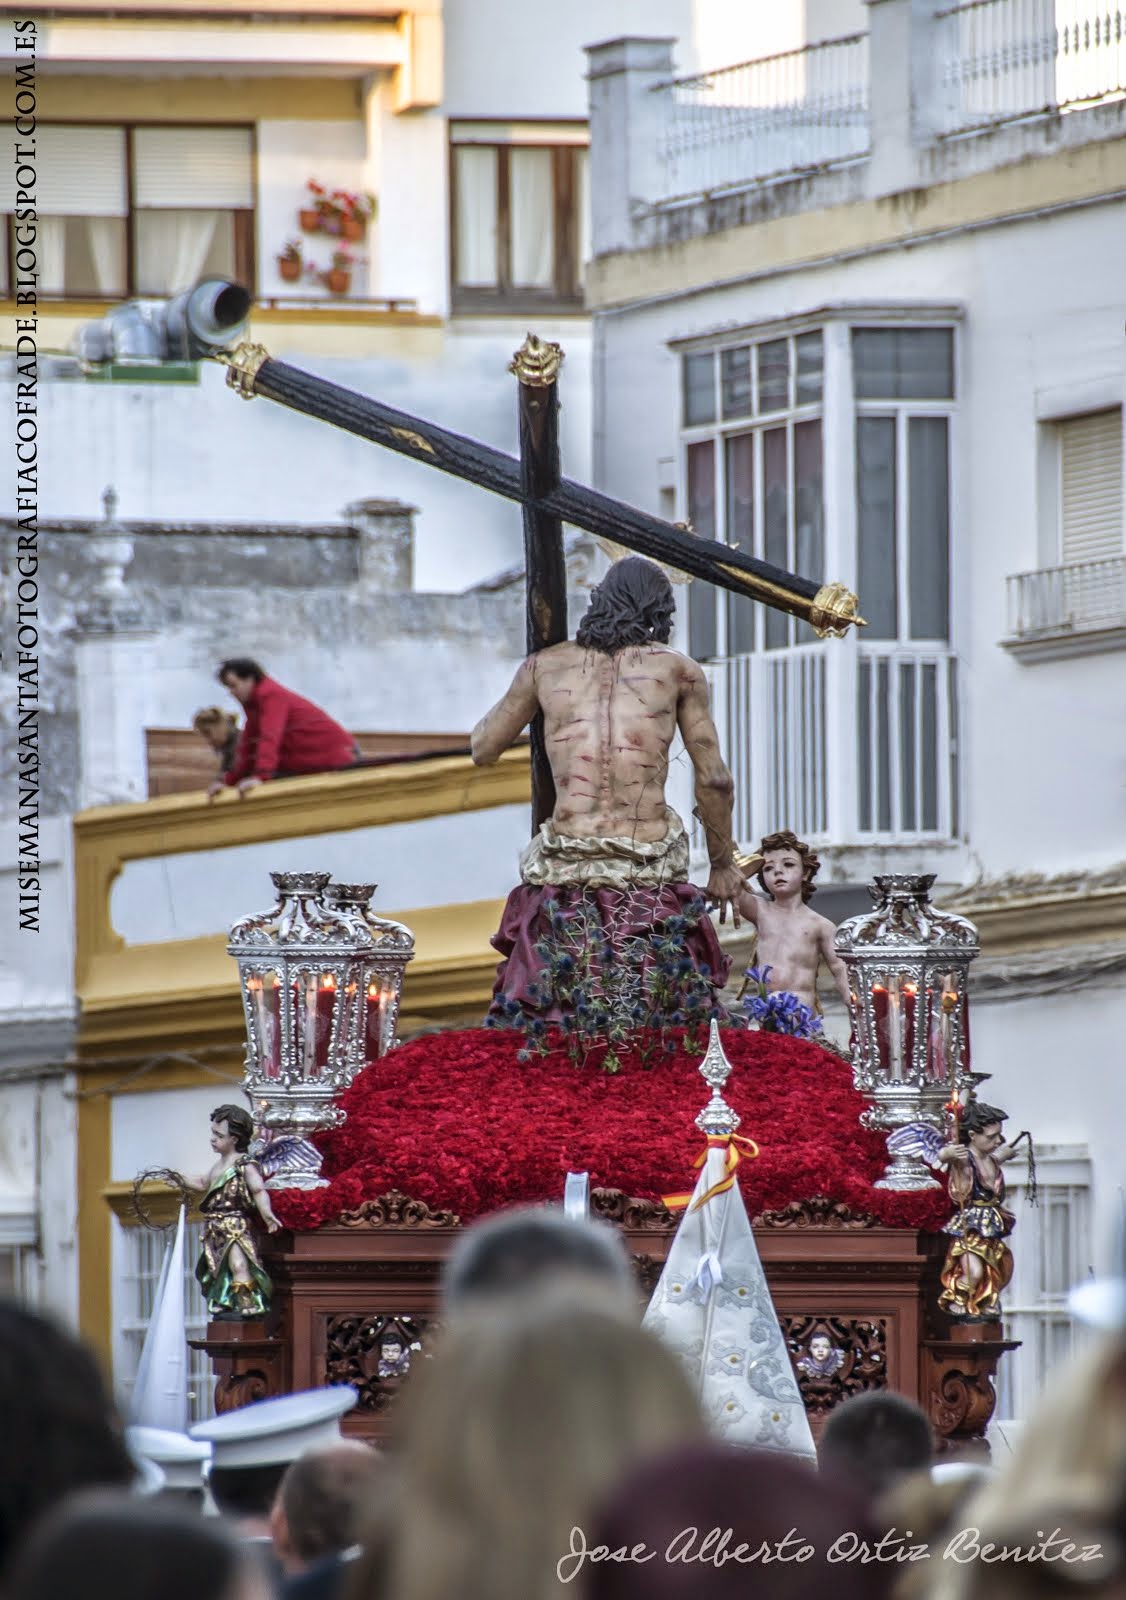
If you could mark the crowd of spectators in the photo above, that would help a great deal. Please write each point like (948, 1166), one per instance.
(550, 1446)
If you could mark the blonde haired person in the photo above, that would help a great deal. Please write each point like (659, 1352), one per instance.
(1062, 1497)
(529, 1413)
(221, 730)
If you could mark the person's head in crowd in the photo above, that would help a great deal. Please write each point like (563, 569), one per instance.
(1067, 1478)
(110, 1546)
(58, 1428)
(218, 727)
(786, 1516)
(531, 1246)
(241, 675)
(875, 1439)
(929, 1508)
(531, 1409)
(320, 1501)
(253, 1447)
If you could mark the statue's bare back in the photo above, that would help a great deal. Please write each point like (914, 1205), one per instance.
(609, 722)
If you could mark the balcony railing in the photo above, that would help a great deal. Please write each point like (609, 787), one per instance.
(1057, 602)
(847, 747)
(785, 113)
(1006, 59)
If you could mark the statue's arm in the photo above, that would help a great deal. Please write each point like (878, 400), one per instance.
(715, 790)
(512, 713)
(833, 961)
(261, 1198)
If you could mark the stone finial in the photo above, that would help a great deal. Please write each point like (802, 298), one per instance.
(109, 607)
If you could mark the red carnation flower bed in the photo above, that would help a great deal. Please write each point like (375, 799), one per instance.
(455, 1120)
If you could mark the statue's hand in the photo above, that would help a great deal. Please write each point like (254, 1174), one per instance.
(725, 885)
(272, 1224)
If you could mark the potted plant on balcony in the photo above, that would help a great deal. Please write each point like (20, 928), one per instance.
(310, 216)
(290, 264)
(358, 210)
(338, 278)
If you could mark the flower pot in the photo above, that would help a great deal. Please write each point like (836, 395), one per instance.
(338, 280)
(310, 221)
(290, 270)
(353, 228)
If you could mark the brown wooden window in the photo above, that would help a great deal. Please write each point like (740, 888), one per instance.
(138, 210)
(518, 223)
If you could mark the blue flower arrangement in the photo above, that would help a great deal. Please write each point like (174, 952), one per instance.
(777, 1012)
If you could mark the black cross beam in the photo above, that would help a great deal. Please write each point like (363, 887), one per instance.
(547, 501)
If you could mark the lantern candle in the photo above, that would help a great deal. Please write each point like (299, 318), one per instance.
(880, 1019)
(326, 1002)
(266, 1023)
(949, 1006)
(895, 1035)
(373, 1032)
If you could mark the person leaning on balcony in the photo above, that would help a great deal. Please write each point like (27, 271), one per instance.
(221, 730)
(284, 735)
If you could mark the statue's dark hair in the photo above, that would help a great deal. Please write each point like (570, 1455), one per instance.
(239, 1123)
(632, 605)
(242, 667)
(977, 1117)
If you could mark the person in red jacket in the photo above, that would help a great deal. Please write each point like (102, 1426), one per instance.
(284, 735)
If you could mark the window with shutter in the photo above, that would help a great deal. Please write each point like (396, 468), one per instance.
(1091, 486)
(189, 212)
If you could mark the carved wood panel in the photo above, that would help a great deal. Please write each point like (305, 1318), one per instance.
(835, 1357)
(375, 1353)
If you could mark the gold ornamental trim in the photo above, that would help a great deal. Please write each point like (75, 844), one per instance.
(537, 362)
(834, 611)
(243, 364)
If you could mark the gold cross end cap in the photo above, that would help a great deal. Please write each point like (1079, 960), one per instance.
(537, 362)
(243, 364)
(833, 611)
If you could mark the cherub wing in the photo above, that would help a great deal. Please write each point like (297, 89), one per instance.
(287, 1153)
(917, 1139)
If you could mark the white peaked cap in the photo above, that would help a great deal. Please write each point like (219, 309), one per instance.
(273, 1431)
(179, 1458)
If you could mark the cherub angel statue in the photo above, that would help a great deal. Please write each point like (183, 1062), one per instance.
(230, 1271)
(978, 1262)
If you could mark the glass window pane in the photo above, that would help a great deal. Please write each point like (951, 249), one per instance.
(174, 249)
(698, 375)
(928, 526)
(735, 377)
(809, 517)
(80, 255)
(928, 745)
(475, 216)
(908, 820)
(903, 363)
(883, 749)
(701, 515)
(875, 507)
(811, 360)
(774, 375)
(775, 501)
(864, 742)
(739, 482)
(531, 218)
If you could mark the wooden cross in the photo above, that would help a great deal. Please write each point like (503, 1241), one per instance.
(547, 500)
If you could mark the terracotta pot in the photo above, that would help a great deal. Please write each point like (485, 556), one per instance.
(338, 280)
(310, 221)
(289, 270)
(353, 228)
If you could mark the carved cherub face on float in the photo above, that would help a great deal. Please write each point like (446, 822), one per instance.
(819, 1348)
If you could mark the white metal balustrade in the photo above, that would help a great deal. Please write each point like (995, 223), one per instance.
(892, 772)
(1083, 597)
(1005, 59)
(783, 113)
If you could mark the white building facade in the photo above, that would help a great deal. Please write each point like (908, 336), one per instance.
(859, 311)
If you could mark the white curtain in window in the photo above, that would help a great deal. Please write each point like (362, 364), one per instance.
(171, 249)
(51, 245)
(475, 180)
(531, 210)
(106, 240)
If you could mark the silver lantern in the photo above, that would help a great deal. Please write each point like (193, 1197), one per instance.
(313, 978)
(908, 966)
(384, 967)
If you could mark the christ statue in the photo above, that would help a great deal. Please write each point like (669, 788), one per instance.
(612, 703)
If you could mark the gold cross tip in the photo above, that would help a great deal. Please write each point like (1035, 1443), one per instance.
(833, 610)
(537, 362)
